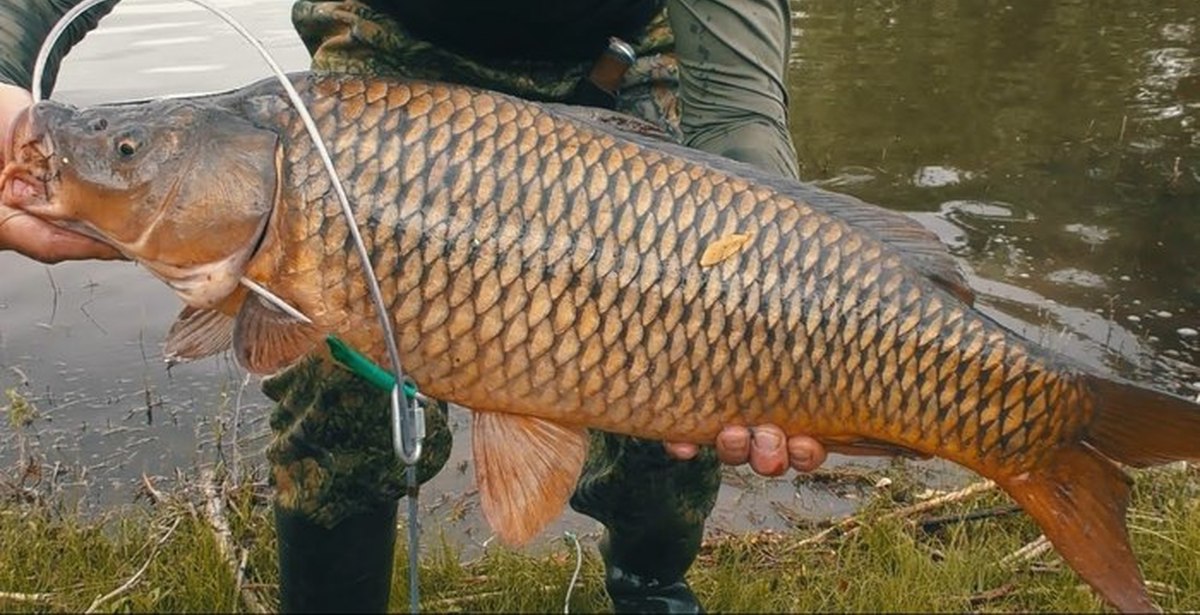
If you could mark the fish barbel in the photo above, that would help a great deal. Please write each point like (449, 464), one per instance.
(554, 272)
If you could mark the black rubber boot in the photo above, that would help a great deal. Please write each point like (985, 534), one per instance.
(653, 509)
(646, 575)
(344, 569)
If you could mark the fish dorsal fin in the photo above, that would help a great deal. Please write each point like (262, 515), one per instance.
(919, 246)
(610, 120)
(198, 333)
(526, 469)
(266, 340)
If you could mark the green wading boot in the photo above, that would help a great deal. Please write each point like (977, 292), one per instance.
(343, 569)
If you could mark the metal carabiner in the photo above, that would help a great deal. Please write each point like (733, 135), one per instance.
(408, 443)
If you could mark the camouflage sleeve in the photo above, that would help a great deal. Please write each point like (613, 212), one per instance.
(24, 24)
(354, 36)
(733, 58)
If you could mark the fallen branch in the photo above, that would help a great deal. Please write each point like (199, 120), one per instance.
(1028, 552)
(27, 598)
(156, 496)
(982, 486)
(214, 514)
(1160, 589)
(137, 576)
(934, 523)
(991, 595)
(853, 522)
(839, 476)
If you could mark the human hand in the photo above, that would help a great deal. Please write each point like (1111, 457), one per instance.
(765, 447)
(28, 234)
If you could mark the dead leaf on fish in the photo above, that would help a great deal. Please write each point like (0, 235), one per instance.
(724, 248)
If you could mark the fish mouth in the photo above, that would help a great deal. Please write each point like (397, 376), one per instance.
(29, 170)
(29, 175)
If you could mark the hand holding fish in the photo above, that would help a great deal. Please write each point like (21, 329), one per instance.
(28, 234)
(764, 447)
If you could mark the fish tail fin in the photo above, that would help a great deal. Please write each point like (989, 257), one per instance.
(1141, 427)
(1079, 499)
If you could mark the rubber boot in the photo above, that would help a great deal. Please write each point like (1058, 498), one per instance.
(653, 510)
(645, 573)
(344, 569)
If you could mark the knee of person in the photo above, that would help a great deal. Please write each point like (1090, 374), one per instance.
(755, 141)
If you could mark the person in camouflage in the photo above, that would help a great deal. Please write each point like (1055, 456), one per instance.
(719, 86)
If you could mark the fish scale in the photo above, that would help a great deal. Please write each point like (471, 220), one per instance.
(557, 269)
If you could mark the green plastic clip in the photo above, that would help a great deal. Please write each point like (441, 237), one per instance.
(365, 368)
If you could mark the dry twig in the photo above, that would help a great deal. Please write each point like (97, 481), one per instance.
(27, 598)
(853, 522)
(1028, 552)
(214, 514)
(991, 595)
(934, 523)
(156, 496)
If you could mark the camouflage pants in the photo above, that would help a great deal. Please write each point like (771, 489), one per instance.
(331, 456)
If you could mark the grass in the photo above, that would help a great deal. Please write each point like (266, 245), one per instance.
(889, 559)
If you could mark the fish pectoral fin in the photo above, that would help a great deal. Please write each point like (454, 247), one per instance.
(266, 340)
(526, 469)
(1079, 498)
(198, 333)
(866, 447)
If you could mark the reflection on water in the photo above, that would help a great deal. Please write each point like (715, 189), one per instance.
(1058, 137)
(83, 340)
(1051, 145)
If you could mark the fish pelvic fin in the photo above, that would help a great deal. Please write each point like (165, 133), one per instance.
(1079, 499)
(198, 333)
(1142, 427)
(266, 340)
(526, 469)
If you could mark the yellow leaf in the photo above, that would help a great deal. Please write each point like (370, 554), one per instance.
(724, 248)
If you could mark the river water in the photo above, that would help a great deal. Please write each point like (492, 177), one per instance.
(1052, 145)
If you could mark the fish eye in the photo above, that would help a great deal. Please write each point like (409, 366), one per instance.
(127, 147)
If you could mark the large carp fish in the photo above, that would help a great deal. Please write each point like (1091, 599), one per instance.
(554, 272)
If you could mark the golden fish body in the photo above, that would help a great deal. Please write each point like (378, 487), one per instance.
(536, 266)
(554, 273)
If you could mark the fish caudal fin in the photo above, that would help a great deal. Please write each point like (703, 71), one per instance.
(1079, 495)
(1079, 498)
(1140, 427)
(526, 469)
